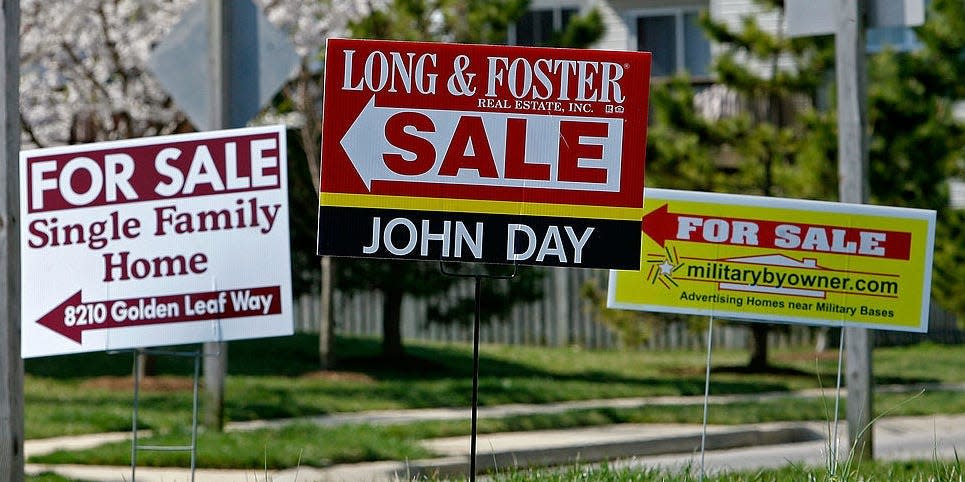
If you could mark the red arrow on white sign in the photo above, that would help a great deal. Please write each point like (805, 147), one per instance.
(75, 316)
(662, 225)
(485, 148)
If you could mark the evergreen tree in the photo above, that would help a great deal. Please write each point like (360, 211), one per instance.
(775, 143)
(916, 142)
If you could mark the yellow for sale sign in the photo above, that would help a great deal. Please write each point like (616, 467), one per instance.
(781, 260)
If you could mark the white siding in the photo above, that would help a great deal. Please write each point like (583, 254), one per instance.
(617, 17)
(615, 30)
(617, 34)
(546, 4)
(957, 188)
(733, 13)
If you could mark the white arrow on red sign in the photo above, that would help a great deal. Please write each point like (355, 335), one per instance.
(75, 316)
(485, 148)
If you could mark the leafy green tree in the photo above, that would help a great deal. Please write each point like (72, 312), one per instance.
(472, 21)
(916, 142)
(464, 21)
(774, 144)
(467, 21)
(949, 267)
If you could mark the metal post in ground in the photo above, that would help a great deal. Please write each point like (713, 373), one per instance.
(833, 449)
(193, 446)
(475, 378)
(477, 280)
(137, 396)
(703, 433)
(11, 363)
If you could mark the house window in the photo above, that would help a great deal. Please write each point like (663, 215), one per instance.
(901, 39)
(539, 27)
(676, 40)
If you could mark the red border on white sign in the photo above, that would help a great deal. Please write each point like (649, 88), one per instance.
(155, 241)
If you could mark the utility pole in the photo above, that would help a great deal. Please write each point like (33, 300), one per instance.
(849, 47)
(222, 63)
(11, 363)
(216, 352)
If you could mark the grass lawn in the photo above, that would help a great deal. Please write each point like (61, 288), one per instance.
(922, 471)
(875, 472)
(276, 378)
(310, 445)
(48, 477)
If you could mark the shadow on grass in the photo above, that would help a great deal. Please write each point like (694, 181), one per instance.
(428, 376)
(788, 371)
(101, 364)
(298, 356)
(282, 356)
(437, 363)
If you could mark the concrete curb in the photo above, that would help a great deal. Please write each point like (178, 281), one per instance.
(599, 444)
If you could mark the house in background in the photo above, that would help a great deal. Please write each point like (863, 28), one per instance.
(669, 29)
(563, 317)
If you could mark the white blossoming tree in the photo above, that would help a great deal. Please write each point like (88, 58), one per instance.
(84, 76)
(82, 71)
(309, 25)
(83, 63)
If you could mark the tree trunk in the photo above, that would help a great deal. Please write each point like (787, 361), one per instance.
(392, 324)
(146, 366)
(758, 361)
(821, 339)
(306, 94)
(215, 368)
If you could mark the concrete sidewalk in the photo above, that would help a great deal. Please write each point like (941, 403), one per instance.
(940, 437)
(387, 417)
(517, 449)
(523, 448)
(741, 447)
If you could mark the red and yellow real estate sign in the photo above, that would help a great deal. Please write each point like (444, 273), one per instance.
(482, 153)
(781, 260)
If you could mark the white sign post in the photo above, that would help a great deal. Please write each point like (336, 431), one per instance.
(156, 241)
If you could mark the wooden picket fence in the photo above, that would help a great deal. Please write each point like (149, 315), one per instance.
(564, 317)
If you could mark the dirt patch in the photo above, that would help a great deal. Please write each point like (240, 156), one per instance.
(337, 376)
(148, 384)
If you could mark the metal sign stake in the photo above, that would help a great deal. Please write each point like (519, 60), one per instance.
(833, 462)
(703, 434)
(477, 283)
(193, 446)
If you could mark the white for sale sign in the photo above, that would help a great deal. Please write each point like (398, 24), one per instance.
(155, 241)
